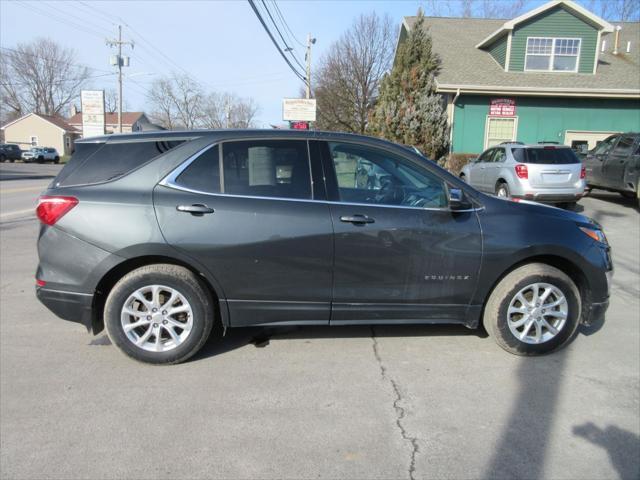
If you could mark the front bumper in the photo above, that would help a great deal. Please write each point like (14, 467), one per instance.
(71, 306)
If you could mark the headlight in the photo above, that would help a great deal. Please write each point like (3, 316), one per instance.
(595, 233)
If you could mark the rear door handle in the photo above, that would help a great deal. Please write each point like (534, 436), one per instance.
(357, 219)
(198, 209)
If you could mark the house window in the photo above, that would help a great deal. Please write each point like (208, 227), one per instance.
(34, 141)
(500, 130)
(552, 54)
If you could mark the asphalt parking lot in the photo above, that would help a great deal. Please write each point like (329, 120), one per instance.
(342, 402)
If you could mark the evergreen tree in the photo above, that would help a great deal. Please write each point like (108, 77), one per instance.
(408, 109)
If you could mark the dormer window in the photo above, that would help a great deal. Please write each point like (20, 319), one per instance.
(545, 54)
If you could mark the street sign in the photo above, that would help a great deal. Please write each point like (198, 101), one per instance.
(299, 109)
(299, 125)
(92, 102)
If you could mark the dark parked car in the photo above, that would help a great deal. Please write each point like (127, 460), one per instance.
(614, 165)
(10, 152)
(159, 236)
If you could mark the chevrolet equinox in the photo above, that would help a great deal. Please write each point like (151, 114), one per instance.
(159, 236)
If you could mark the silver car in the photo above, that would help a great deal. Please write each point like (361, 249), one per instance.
(542, 172)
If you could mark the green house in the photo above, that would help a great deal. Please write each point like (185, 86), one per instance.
(558, 73)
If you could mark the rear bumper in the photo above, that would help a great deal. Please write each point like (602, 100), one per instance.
(71, 306)
(551, 197)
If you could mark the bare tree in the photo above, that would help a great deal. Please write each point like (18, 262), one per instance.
(39, 77)
(615, 10)
(176, 101)
(349, 74)
(180, 102)
(111, 101)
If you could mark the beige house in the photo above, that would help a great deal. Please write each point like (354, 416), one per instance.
(131, 122)
(35, 130)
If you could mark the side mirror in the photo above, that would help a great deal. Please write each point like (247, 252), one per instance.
(457, 200)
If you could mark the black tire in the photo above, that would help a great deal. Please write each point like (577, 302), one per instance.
(3, 158)
(495, 312)
(173, 276)
(40, 159)
(56, 160)
(628, 194)
(502, 186)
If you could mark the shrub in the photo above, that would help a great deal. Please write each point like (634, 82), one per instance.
(455, 161)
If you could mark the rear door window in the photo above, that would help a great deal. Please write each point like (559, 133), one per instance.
(101, 162)
(203, 174)
(545, 155)
(267, 168)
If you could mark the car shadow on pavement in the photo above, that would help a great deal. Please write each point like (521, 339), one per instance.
(522, 447)
(260, 337)
(614, 199)
(619, 444)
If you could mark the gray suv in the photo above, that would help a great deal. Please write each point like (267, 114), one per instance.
(160, 236)
(542, 172)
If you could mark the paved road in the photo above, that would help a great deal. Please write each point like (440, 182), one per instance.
(349, 402)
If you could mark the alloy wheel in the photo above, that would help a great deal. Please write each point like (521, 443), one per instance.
(156, 318)
(537, 313)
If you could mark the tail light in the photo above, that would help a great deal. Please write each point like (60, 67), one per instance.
(583, 172)
(50, 209)
(522, 171)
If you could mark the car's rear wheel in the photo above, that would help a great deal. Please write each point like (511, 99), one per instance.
(533, 310)
(56, 160)
(159, 314)
(40, 159)
(502, 190)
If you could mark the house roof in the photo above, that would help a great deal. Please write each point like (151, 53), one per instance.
(573, 7)
(55, 120)
(474, 70)
(128, 118)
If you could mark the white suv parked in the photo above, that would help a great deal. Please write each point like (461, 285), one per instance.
(542, 172)
(41, 155)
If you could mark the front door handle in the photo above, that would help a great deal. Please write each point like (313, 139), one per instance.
(356, 219)
(197, 209)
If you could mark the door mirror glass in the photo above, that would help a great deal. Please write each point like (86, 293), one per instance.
(458, 200)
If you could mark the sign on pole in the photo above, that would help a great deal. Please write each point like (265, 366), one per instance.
(92, 102)
(299, 109)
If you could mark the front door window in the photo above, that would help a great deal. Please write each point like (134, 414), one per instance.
(377, 177)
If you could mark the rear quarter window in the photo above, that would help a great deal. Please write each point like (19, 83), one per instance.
(101, 162)
(545, 155)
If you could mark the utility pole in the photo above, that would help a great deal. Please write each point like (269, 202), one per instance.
(307, 57)
(121, 62)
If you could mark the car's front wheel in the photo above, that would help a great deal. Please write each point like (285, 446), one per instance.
(159, 314)
(535, 309)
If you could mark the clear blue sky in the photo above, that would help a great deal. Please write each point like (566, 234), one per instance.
(220, 43)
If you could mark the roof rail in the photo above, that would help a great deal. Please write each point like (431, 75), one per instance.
(549, 141)
(512, 143)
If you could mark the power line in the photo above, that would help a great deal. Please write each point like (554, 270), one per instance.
(287, 47)
(35, 55)
(52, 16)
(266, 29)
(286, 25)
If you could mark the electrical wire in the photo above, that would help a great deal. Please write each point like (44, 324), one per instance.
(266, 28)
(286, 25)
(287, 47)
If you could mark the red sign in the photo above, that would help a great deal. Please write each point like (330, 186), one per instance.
(299, 125)
(502, 107)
